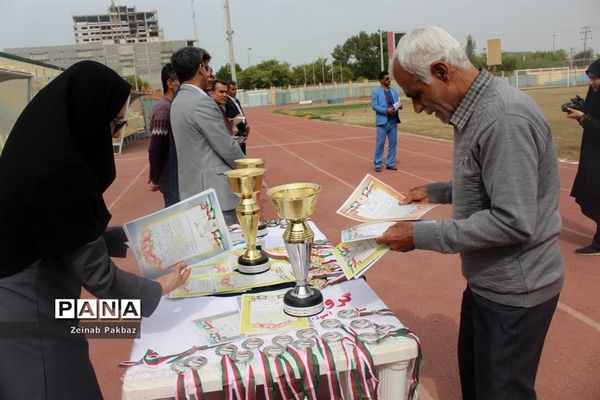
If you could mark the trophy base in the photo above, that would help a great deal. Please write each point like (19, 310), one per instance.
(252, 267)
(303, 306)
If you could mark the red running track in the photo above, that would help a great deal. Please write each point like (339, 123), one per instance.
(423, 288)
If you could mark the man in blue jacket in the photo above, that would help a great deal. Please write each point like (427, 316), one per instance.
(385, 103)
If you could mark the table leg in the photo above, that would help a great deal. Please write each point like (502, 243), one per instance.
(392, 380)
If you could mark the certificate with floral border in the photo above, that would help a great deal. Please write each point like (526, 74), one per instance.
(205, 281)
(369, 230)
(221, 328)
(262, 314)
(373, 200)
(356, 257)
(192, 230)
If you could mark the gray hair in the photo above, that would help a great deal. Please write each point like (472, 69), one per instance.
(423, 46)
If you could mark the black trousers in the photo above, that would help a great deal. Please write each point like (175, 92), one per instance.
(499, 347)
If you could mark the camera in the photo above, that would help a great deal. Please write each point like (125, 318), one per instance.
(576, 103)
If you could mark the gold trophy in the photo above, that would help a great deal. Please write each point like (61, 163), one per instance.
(249, 163)
(295, 202)
(246, 183)
(253, 163)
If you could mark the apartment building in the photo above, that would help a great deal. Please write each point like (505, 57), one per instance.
(120, 25)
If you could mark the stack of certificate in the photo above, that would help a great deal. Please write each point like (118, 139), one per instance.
(376, 205)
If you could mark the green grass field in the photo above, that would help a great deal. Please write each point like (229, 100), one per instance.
(567, 133)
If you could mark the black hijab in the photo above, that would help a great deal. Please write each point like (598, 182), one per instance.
(592, 99)
(57, 162)
(594, 69)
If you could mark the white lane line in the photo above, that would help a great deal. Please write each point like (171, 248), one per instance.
(129, 158)
(565, 164)
(124, 191)
(370, 159)
(308, 162)
(365, 139)
(579, 316)
(579, 233)
(368, 139)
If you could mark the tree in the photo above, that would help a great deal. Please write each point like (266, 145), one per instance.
(224, 73)
(470, 48)
(264, 75)
(301, 75)
(361, 55)
(583, 58)
(141, 84)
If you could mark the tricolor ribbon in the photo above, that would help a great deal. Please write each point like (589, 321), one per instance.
(415, 364)
(366, 367)
(284, 369)
(309, 389)
(198, 392)
(232, 379)
(269, 380)
(249, 389)
(152, 358)
(181, 392)
(333, 381)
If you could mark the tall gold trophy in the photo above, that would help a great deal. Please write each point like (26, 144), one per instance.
(296, 202)
(246, 183)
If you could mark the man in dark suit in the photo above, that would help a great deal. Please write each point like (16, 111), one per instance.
(205, 150)
(385, 102)
(235, 112)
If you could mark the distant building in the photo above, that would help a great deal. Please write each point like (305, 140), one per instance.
(120, 25)
(128, 41)
(20, 80)
(142, 59)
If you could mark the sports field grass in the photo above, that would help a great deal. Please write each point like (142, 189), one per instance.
(567, 133)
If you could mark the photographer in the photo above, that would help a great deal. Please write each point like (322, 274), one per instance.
(586, 188)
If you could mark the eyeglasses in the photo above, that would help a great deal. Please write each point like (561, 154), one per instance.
(119, 124)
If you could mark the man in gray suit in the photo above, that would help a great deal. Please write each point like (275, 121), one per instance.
(205, 150)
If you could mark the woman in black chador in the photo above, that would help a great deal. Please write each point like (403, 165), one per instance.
(55, 166)
(586, 188)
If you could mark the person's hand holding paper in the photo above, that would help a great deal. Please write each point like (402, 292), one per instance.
(399, 237)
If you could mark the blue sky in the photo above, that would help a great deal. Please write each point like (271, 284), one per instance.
(299, 31)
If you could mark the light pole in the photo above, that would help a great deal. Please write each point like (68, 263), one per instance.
(229, 35)
(323, 68)
(194, 21)
(304, 74)
(553, 41)
(381, 47)
(249, 48)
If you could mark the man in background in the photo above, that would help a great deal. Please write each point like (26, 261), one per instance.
(505, 222)
(205, 150)
(161, 140)
(235, 112)
(385, 103)
(219, 94)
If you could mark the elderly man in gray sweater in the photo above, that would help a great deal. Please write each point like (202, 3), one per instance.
(505, 222)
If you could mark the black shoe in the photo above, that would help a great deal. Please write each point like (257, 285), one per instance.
(377, 169)
(588, 251)
(393, 168)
